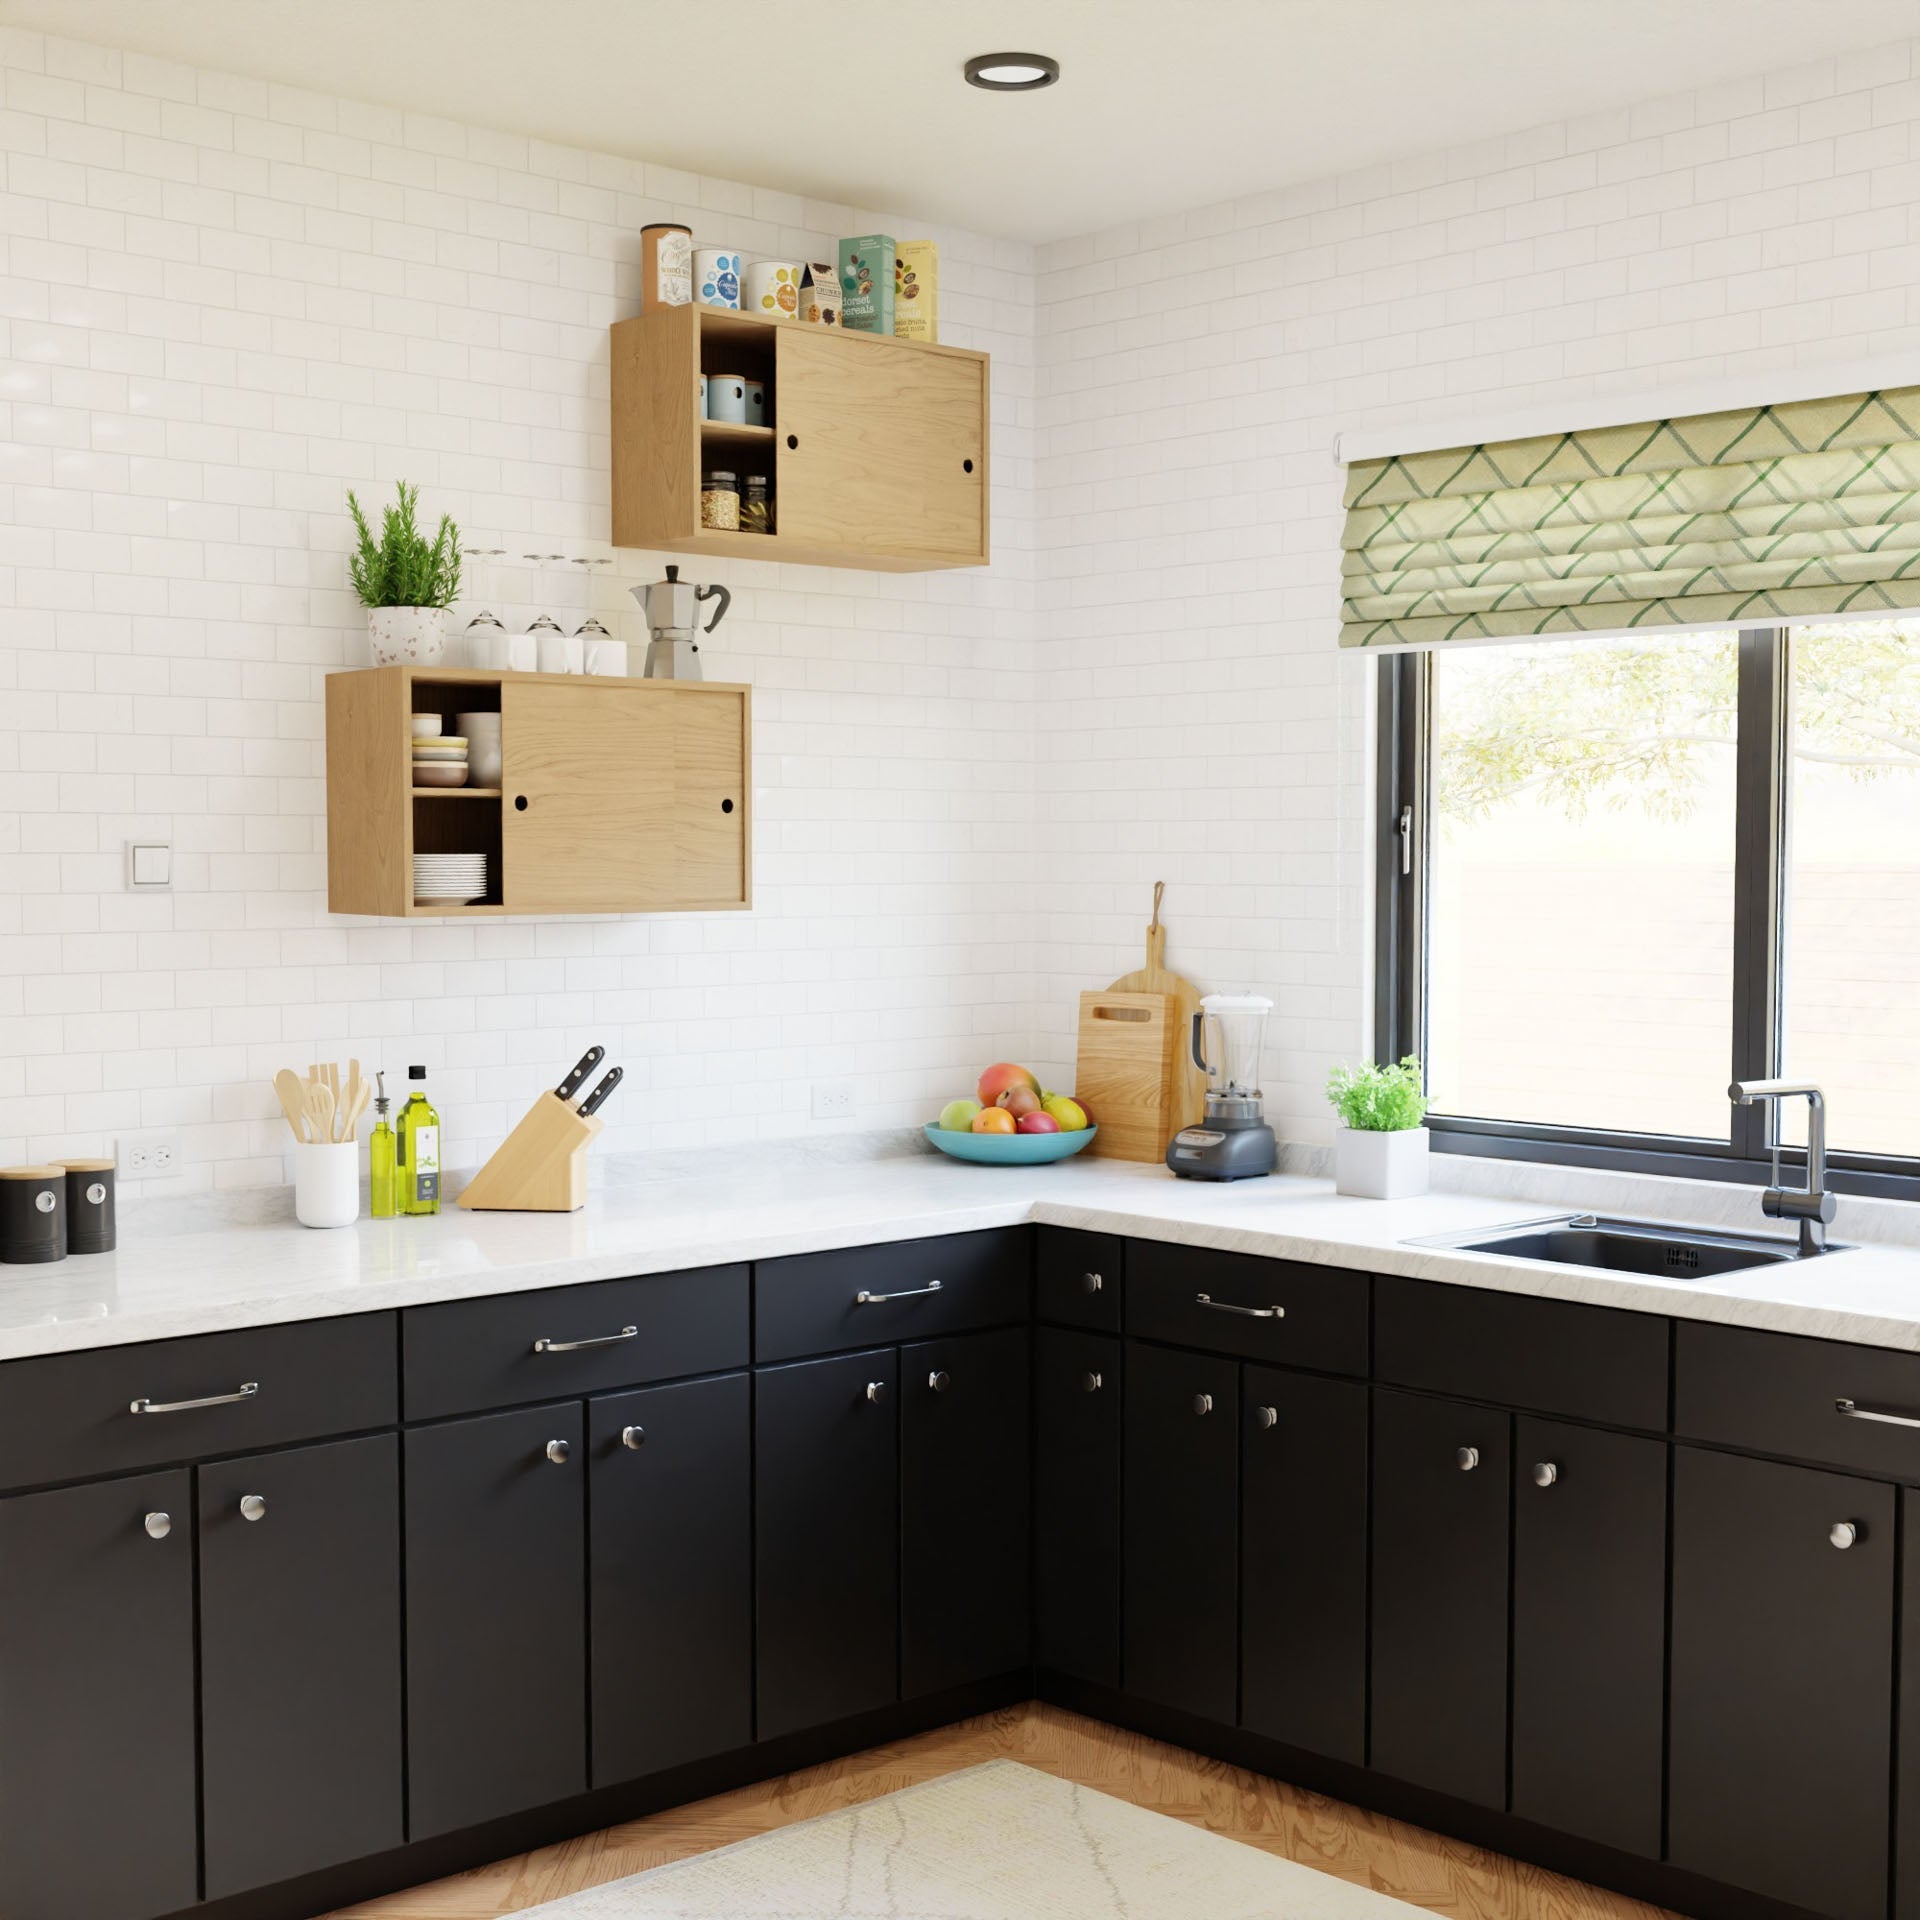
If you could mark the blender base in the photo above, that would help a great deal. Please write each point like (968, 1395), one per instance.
(1222, 1151)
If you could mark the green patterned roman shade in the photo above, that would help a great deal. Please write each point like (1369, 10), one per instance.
(1802, 510)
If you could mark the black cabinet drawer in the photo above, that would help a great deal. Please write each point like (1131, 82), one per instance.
(906, 1290)
(1283, 1311)
(1778, 1393)
(1547, 1356)
(69, 1416)
(1076, 1278)
(513, 1349)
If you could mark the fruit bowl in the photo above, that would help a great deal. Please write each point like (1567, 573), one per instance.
(1010, 1149)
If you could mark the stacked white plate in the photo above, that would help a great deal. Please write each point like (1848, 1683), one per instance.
(457, 877)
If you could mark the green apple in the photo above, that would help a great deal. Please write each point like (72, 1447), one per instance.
(957, 1116)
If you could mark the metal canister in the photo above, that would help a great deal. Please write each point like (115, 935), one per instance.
(90, 1196)
(33, 1215)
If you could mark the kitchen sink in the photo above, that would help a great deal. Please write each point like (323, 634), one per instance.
(1625, 1246)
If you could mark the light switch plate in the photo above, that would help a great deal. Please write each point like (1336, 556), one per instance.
(149, 863)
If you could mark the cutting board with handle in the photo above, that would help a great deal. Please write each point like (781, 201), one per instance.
(1135, 1073)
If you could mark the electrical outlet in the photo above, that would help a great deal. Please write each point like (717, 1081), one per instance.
(147, 1156)
(833, 1100)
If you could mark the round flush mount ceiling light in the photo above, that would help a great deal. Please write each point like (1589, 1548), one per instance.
(1012, 72)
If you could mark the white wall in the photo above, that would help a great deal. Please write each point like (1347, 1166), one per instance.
(1195, 723)
(223, 304)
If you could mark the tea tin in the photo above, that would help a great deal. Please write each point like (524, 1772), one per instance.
(90, 1205)
(33, 1215)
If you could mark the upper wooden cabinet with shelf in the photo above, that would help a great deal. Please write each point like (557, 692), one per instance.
(616, 796)
(876, 448)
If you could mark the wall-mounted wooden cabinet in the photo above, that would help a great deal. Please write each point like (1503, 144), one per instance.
(616, 796)
(876, 448)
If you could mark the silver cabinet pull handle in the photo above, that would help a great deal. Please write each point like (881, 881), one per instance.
(1545, 1473)
(193, 1406)
(1843, 1533)
(579, 1346)
(633, 1438)
(557, 1452)
(864, 1299)
(876, 1391)
(1466, 1458)
(158, 1525)
(253, 1506)
(939, 1380)
(1227, 1306)
(1203, 1403)
(1852, 1412)
(1090, 1382)
(1091, 1282)
(1267, 1416)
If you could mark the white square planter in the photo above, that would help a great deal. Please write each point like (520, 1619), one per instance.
(1380, 1166)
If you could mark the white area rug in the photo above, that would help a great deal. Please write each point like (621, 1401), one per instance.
(997, 1842)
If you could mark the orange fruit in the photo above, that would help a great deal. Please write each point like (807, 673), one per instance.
(993, 1120)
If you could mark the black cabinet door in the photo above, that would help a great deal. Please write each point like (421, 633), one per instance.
(1076, 1504)
(1440, 1595)
(1589, 1632)
(964, 1480)
(496, 1616)
(1906, 1808)
(1181, 1605)
(671, 1575)
(1303, 1573)
(1781, 1716)
(300, 1660)
(97, 1783)
(827, 1531)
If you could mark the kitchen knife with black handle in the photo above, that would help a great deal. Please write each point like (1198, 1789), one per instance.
(578, 1077)
(598, 1097)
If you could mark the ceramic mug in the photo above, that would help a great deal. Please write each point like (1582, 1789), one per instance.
(727, 398)
(756, 403)
(523, 653)
(560, 653)
(772, 287)
(489, 648)
(481, 731)
(716, 277)
(703, 398)
(607, 657)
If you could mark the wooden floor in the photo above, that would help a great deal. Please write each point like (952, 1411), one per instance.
(1444, 1876)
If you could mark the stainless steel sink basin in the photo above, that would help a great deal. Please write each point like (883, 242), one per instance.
(1625, 1246)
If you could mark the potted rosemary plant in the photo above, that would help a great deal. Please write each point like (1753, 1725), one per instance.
(405, 581)
(1380, 1145)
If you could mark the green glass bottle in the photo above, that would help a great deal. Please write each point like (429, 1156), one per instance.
(417, 1158)
(381, 1179)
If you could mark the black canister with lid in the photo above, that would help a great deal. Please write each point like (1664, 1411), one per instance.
(33, 1215)
(90, 1225)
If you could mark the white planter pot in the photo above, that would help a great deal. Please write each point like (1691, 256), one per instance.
(1380, 1166)
(407, 636)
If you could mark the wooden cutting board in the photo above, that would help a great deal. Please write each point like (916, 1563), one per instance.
(1135, 1072)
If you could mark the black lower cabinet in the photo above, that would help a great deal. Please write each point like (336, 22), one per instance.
(964, 1479)
(496, 1616)
(1076, 1504)
(1906, 1806)
(1182, 1602)
(1781, 1721)
(300, 1661)
(1589, 1632)
(827, 1532)
(97, 1778)
(671, 1574)
(1439, 1715)
(1303, 1565)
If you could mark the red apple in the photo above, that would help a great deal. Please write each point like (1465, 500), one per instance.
(999, 1077)
(1036, 1123)
(1019, 1100)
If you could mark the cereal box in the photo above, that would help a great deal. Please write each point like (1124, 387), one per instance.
(916, 290)
(820, 293)
(866, 280)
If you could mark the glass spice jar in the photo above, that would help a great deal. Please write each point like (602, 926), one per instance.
(756, 505)
(720, 501)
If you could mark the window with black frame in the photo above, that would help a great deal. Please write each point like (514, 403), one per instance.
(1618, 872)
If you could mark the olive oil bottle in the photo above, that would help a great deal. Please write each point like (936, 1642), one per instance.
(417, 1155)
(381, 1178)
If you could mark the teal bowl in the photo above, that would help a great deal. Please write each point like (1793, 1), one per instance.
(1010, 1149)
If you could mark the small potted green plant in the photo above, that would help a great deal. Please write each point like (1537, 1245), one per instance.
(405, 581)
(1380, 1145)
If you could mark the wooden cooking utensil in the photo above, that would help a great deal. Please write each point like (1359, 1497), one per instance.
(319, 1110)
(293, 1100)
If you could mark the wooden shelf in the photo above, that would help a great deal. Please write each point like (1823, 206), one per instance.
(730, 433)
(456, 793)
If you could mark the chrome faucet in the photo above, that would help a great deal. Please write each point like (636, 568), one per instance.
(1812, 1205)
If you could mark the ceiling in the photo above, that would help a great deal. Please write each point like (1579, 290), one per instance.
(1161, 105)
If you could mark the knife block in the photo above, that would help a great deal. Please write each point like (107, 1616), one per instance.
(540, 1167)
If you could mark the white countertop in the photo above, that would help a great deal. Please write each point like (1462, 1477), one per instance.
(649, 1219)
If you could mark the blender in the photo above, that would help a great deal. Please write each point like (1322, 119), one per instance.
(672, 607)
(1232, 1142)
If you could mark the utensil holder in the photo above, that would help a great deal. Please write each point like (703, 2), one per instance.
(540, 1167)
(326, 1182)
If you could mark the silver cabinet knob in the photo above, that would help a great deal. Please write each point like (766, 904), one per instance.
(633, 1438)
(939, 1380)
(1267, 1416)
(558, 1451)
(1545, 1473)
(876, 1391)
(253, 1506)
(1203, 1403)
(1090, 1383)
(159, 1525)
(1091, 1282)
(1843, 1533)
(1466, 1458)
